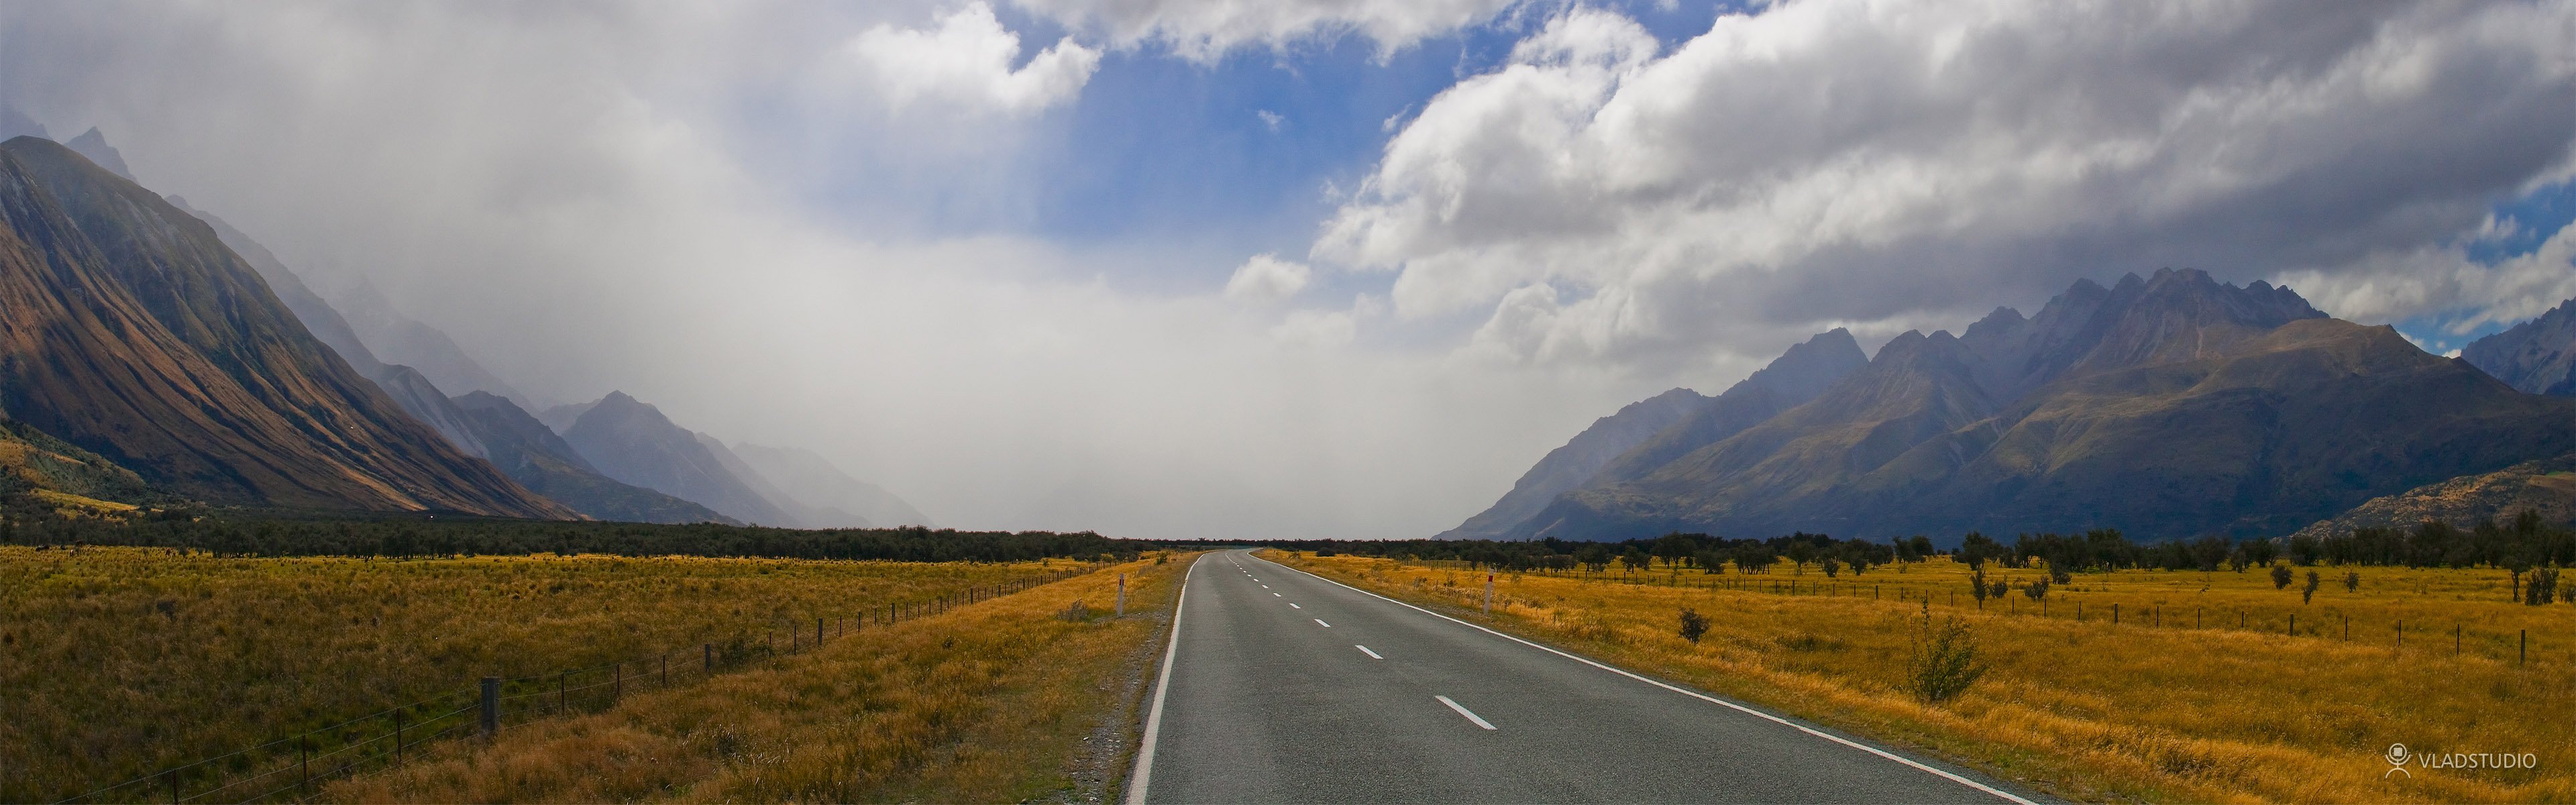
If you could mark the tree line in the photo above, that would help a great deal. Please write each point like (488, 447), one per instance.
(460, 537)
(2524, 542)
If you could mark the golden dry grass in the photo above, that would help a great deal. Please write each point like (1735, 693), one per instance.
(983, 703)
(121, 661)
(2149, 709)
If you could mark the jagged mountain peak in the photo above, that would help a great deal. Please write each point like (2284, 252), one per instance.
(2535, 357)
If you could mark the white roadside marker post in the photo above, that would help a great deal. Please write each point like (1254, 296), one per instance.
(1489, 593)
(1122, 595)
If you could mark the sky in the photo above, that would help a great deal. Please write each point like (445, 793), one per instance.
(1305, 268)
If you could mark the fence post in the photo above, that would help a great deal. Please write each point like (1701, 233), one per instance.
(818, 631)
(398, 738)
(563, 692)
(711, 657)
(666, 669)
(2524, 653)
(617, 688)
(2294, 624)
(174, 787)
(304, 764)
(1122, 595)
(2115, 614)
(491, 706)
(2455, 640)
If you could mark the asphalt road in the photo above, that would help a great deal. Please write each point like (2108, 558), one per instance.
(1280, 686)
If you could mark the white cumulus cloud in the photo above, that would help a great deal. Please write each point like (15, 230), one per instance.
(966, 60)
(1207, 29)
(1266, 278)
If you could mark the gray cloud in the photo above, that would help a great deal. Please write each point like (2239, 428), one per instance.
(1882, 163)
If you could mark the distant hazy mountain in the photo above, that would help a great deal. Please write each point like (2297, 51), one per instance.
(2547, 486)
(2170, 406)
(536, 457)
(634, 443)
(128, 329)
(2536, 356)
(424, 402)
(15, 124)
(397, 338)
(94, 145)
(562, 417)
(827, 496)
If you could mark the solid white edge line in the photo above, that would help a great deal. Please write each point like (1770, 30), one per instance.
(1365, 650)
(1144, 774)
(1462, 710)
(2004, 795)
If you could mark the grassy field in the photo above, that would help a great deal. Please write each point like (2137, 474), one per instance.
(997, 701)
(121, 661)
(2175, 702)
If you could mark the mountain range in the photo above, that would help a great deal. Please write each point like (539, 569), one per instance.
(2536, 356)
(153, 353)
(2166, 406)
(128, 329)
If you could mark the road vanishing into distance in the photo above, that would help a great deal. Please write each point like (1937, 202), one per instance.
(1280, 686)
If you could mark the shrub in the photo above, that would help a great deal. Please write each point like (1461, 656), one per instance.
(2351, 581)
(2280, 577)
(1944, 661)
(2542, 588)
(2037, 589)
(2309, 592)
(1977, 585)
(1693, 625)
(1997, 589)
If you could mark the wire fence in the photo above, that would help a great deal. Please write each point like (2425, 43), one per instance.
(2323, 621)
(294, 768)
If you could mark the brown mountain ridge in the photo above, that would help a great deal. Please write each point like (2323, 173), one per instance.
(127, 328)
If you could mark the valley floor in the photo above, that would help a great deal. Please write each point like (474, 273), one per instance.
(2204, 690)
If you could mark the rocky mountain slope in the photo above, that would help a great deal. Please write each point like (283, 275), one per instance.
(129, 329)
(2536, 356)
(2169, 406)
(2547, 486)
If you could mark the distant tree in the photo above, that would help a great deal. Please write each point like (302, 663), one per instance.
(1833, 567)
(2305, 550)
(1800, 552)
(2037, 589)
(1977, 584)
(1996, 589)
(2543, 587)
(2280, 577)
(1710, 560)
(1674, 547)
(2238, 559)
(1635, 559)
(1693, 625)
(1595, 557)
(2352, 581)
(1922, 547)
(2309, 593)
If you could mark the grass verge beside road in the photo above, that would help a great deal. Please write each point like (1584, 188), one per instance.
(2153, 708)
(989, 702)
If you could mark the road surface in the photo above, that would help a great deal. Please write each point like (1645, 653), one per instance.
(1280, 686)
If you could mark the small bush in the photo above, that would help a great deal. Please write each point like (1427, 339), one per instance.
(2280, 577)
(2309, 593)
(1944, 662)
(2352, 581)
(2543, 586)
(2037, 589)
(1693, 625)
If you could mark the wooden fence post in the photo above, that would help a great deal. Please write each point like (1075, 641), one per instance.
(491, 706)
(711, 657)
